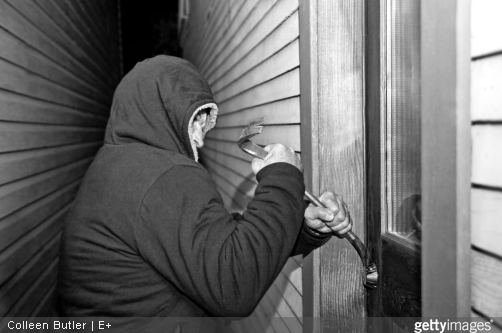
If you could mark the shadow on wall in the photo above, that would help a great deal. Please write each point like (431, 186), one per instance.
(273, 300)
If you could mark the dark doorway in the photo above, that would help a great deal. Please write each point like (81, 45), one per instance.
(148, 29)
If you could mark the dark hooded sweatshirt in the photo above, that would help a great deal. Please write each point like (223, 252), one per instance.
(148, 234)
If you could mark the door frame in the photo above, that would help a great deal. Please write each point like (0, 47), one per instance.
(446, 158)
(446, 154)
(333, 54)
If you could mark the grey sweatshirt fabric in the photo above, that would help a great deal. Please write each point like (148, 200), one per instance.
(148, 234)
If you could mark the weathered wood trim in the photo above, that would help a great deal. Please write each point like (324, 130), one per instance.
(332, 99)
(445, 103)
(309, 146)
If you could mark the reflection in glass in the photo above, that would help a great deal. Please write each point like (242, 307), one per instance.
(402, 117)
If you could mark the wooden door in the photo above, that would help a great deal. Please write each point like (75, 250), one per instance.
(416, 153)
(394, 161)
(385, 123)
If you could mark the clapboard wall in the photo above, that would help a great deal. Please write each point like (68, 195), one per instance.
(486, 109)
(249, 53)
(59, 64)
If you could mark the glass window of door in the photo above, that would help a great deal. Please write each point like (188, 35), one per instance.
(401, 119)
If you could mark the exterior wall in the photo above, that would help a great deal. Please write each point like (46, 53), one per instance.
(249, 53)
(59, 64)
(486, 109)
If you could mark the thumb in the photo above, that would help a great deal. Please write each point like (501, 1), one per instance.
(268, 147)
(257, 164)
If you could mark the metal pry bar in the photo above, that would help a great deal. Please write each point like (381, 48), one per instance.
(254, 128)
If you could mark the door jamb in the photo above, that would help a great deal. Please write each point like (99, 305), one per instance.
(446, 158)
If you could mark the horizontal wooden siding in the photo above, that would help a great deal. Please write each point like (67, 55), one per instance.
(249, 53)
(486, 195)
(59, 64)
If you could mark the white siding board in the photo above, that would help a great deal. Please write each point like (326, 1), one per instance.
(14, 196)
(78, 45)
(230, 201)
(218, 26)
(260, 313)
(27, 109)
(486, 212)
(285, 60)
(486, 27)
(17, 25)
(15, 136)
(95, 27)
(487, 284)
(40, 19)
(70, 8)
(273, 18)
(291, 296)
(239, 200)
(21, 164)
(284, 86)
(229, 148)
(58, 70)
(293, 272)
(486, 89)
(235, 180)
(486, 155)
(18, 52)
(486, 199)
(22, 81)
(44, 307)
(18, 224)
(270, 310)
(217, 45)
(28, 302)
(284, 310)
(14, 288)
(288, 135)
(240, 166)
(282, 36)
(253, 69)
(234, 8)
(17, 255)
(200, 19)
(249, 24)
(286, 111)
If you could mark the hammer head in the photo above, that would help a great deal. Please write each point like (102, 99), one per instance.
(252, 129)
(248, 146)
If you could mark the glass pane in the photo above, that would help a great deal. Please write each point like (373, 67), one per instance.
(402, 113)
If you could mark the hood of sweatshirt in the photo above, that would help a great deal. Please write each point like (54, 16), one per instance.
(155, 104)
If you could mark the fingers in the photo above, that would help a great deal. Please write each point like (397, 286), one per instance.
(280, 153)
(335, 216)
(317, 225)
(344, 226)
(335, 204)
(320, 213)
(330, 201)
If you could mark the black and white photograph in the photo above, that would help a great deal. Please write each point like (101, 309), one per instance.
(251, 166)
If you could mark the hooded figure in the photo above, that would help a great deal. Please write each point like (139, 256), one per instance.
(148, 234)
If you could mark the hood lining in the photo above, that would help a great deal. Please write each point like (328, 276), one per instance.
(211, 122)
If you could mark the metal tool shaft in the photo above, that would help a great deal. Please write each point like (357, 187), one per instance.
(254, 128)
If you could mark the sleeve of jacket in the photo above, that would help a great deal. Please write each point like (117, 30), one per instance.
(309, 240)
(222, 264)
